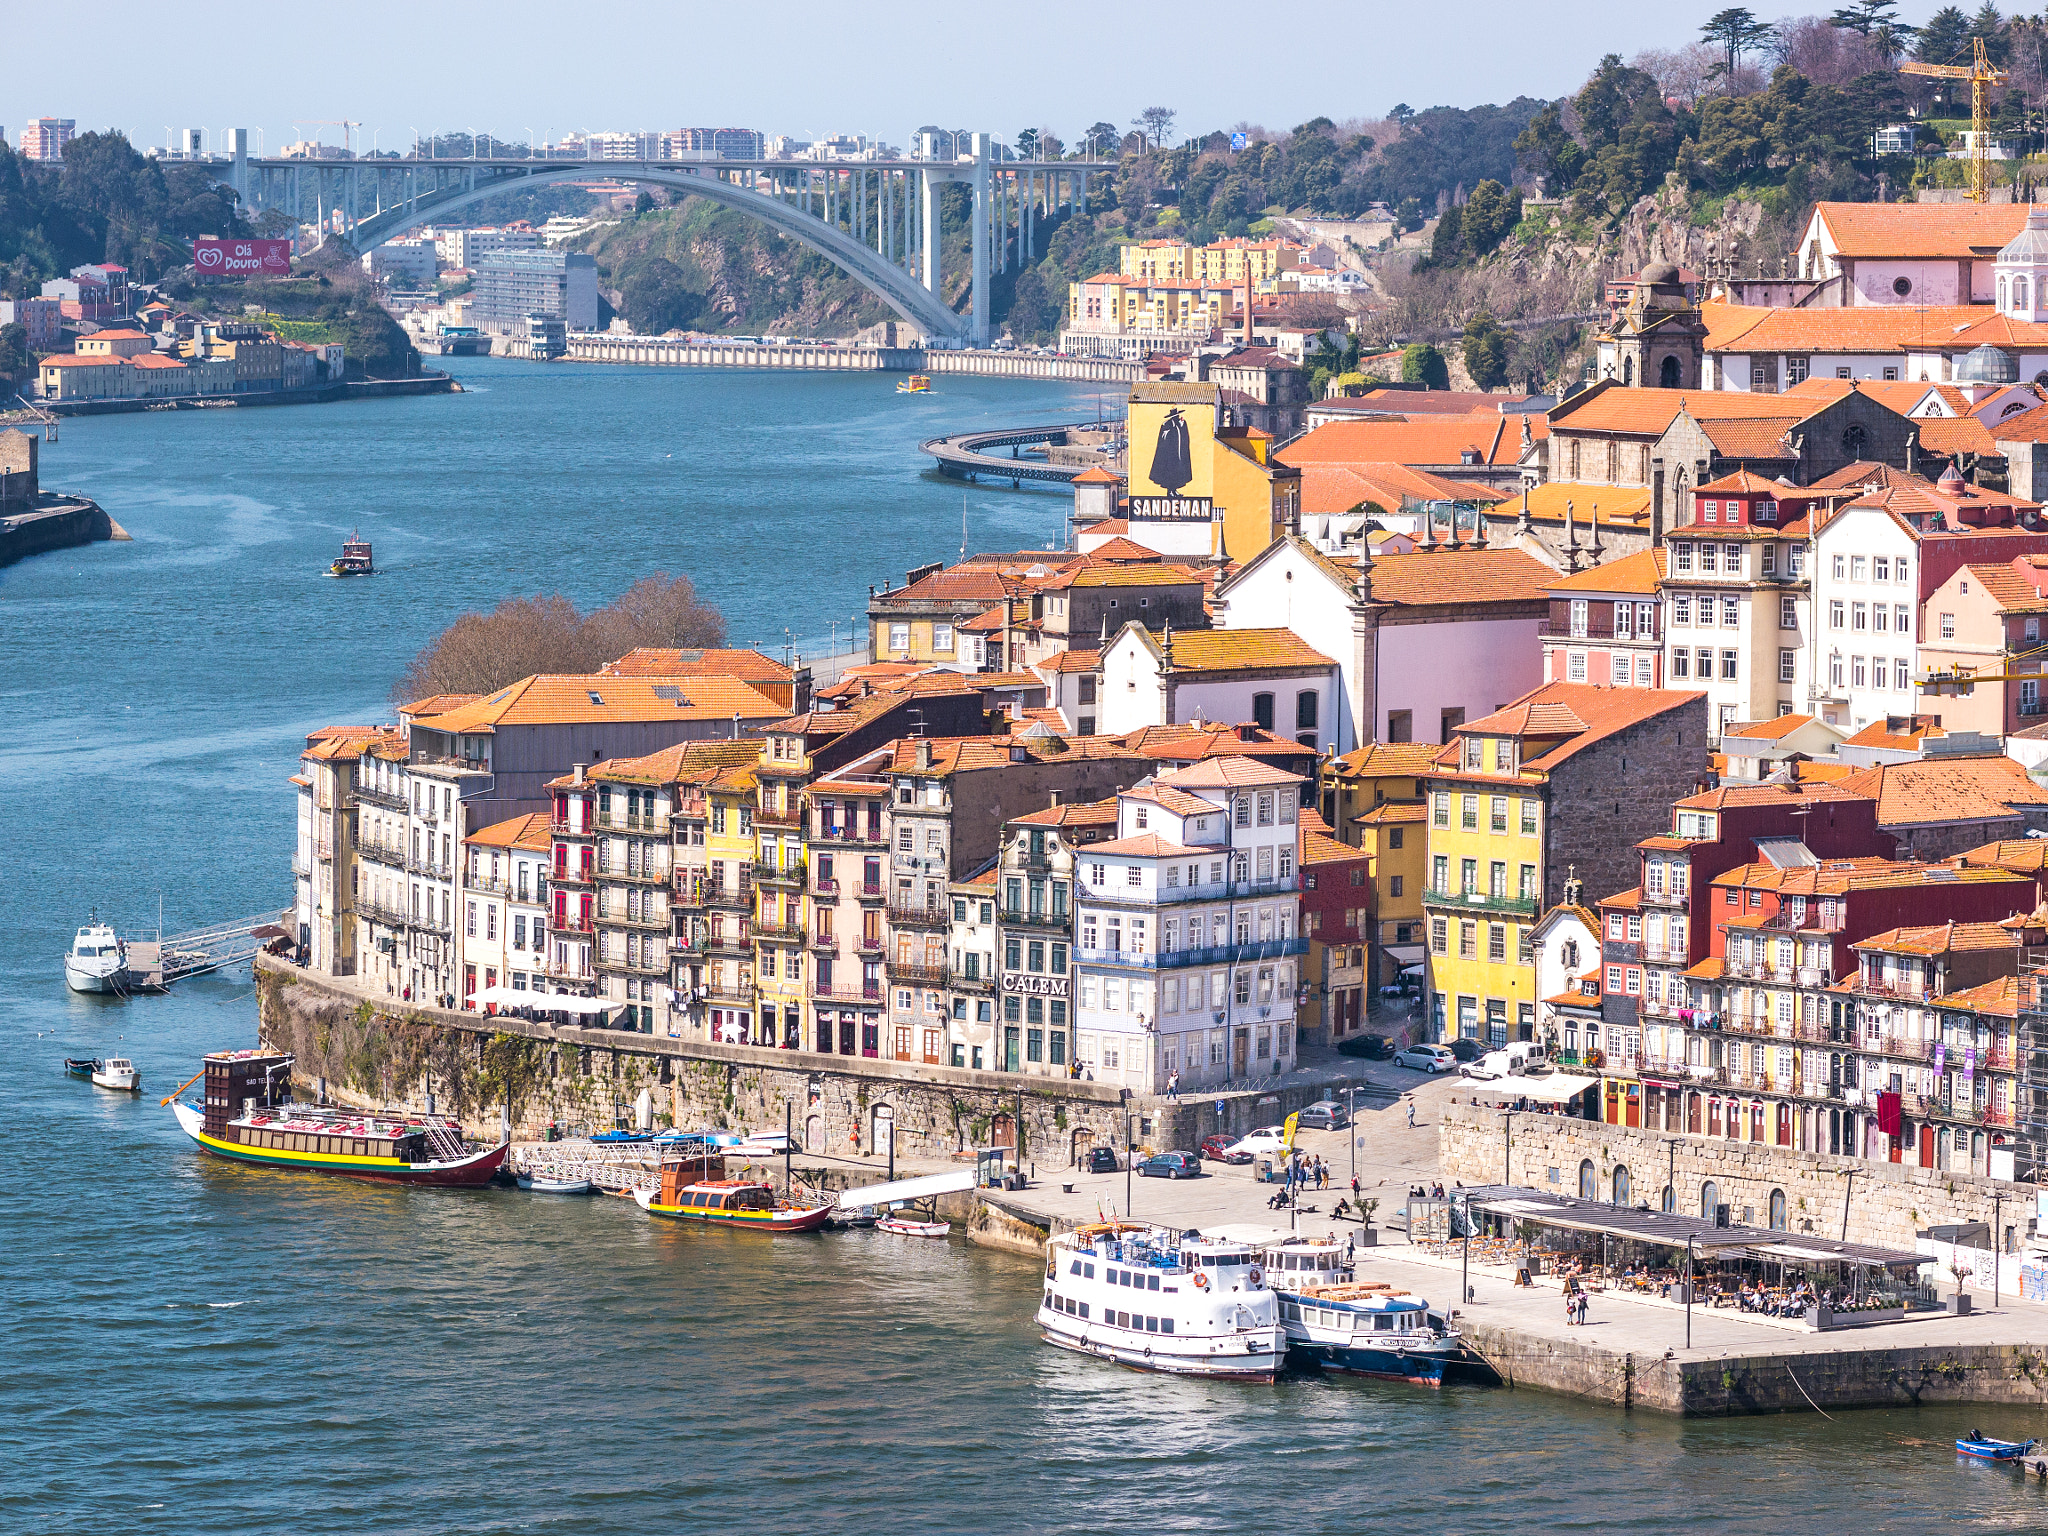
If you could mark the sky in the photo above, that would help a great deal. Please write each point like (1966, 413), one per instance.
(512, 68)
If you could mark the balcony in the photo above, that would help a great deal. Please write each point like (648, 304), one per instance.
(829, 838)
(636, 967)
(825, 943)
(727, 994)
(381, 912)
(1900, 991)
(918, 975)
(645, 923)
(488, 885)
(1056, 922)
(919, 915)
(848, 992)
(1666, 954)
(874, 892)
(632, 876)
(378, 797)
(1472, 901)
(578, 969)
(825, 888)
(568, 922)
(772, 816)
(788, 933)
(301, 868)
(960, 981)
(739, 896)
(637, 821)
(868, 946)
(570, 874)
(766, 873)
(1674, 899)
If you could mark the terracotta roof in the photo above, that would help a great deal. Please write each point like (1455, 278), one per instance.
(1332, 489)
(1442, 402)
(1145, 845)
(1194, 743)
(1242, 650)
(670, 764)
(651, 661)
(1397, 440)
(1096, 475)
(1392, 813)
(1933, 791)
(1102, 813)
(1768, 730)
(72, 360)
(830, 724)
(2026, 855)
(2005, 996)
(1122, 549)
(1321, 848)
(1583, 714)
(1941, 939)
(987, 623)
(964, 754)
(347, 743)
(529, 832)
(1741, 483)
(1178, 801)
(1382, 759)
(1068, 661)
(1638, 573)
(2026, 427)
(1227, 772)
(1870, 328)
(551, 699)
(1752, 437)
(155, 360)
(1624, 505)
(2018, 586)
(438, 703)
(1899, 732)
(1837, 877)
(1609, 407)
(1123, 573)
(1921, 230)
(1462, 577)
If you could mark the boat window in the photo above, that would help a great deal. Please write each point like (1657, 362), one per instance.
(1084, 1310)
(1151, 1325)
(1166, 1325)
(1087, 1271)
(1074, 1268)
(1436, 1322)
(1151, 1282)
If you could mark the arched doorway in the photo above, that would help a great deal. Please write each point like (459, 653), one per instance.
(1710, 1197)
(1671, 375)
(882, 1129)
(1002, 1131)
(1589, 1180)
(1082, 1141)
(1777, 1210)
(1669, 1204)
(814, 1133)
(1623, 1187)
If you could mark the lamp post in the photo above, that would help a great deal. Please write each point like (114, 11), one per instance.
(1689, 1240)
(1997, 1242)
(1351, 1128)
(1128, 1149)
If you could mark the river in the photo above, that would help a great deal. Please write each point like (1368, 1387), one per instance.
(191, 1346)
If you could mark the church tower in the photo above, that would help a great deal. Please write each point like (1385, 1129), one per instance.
(2022, 268)
(1659, 340)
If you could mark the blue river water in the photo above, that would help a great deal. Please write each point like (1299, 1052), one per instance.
(187, 1346)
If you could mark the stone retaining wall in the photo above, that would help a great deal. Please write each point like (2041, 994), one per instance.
(1885, 1206)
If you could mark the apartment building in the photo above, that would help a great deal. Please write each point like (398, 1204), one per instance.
(328, 878)
(504, 912)
(1270, 677)
(1606, 624)
(511, 285)
(45, 137)
(1338, 920)
(1033, 882)
(1373, 798)
(1188, 943)
(973, 944)
(847, 850)
(720, 961)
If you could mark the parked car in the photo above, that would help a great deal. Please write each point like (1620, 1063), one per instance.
(1426, 1058)
(1371, 1047)
(1219, 1147)
(1324, 1115)
(1466, 1049)
(1520, 1057)
(1265, 1141)
(1171, 1165)
(1099, 1160)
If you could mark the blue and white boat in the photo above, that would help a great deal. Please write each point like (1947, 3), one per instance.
(1335, 1322)
(1986, 1448)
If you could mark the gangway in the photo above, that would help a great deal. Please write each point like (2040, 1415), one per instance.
(155, 962)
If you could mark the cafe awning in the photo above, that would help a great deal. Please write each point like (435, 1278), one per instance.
(1670, 1230)
(1554, 1088)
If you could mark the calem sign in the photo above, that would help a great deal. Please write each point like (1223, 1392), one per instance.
(241, 258)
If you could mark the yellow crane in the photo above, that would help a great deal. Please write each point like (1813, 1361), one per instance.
(1981, 74)
(1960, 681)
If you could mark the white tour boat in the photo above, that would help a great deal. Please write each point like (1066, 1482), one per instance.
(117, 1073)
(96, 961)
(1160, 1300)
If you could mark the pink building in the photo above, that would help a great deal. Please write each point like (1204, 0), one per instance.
(45, 138)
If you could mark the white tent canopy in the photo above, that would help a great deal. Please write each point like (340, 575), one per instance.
(552, 1002)
(1556, 1088)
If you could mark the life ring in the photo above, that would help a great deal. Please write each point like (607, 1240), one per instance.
(1256, 1277)
(1201, 1281)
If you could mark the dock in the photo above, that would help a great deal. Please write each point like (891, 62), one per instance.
(157, 961)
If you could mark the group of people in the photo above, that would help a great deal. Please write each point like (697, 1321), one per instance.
(1576, 1304)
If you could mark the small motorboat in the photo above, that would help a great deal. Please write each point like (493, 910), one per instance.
(117, 1073)
(903, 1226)
(1985, 1448)
(80, 1066)
(354, 559)
(548, 1184)
(846, 1219)
(916, 384)
(619, 1138)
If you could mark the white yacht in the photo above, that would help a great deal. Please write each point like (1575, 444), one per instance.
(1161, 1300)
(97, 960)
(1336, 1322)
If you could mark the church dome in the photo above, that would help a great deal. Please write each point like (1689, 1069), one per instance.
(2028, 248)
(1658, 274)
(1987, 365)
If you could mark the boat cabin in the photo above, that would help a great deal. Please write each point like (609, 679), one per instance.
(94, 942)
(1303, 1261)
(240, 1082)
(329, 1135)
(726, 1195)
(690, 1170)
(354, 559)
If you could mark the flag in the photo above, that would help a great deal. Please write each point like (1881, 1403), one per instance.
(1290, 1125)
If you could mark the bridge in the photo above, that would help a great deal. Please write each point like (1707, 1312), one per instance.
(878, 220)
(841, 357)
(965, 455)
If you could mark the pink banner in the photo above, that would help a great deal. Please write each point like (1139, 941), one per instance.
(241, 258)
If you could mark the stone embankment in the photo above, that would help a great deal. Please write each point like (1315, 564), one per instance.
(56, 522)
(711, 352)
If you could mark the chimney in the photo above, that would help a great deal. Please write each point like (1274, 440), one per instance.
(1055, 797)
(577, 776)
(924, 754)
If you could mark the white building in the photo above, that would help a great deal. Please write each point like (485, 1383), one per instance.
(404, 263)
(466, 247)
(1188, 930)
(412, 817)
(504, 935)
(1270, 677)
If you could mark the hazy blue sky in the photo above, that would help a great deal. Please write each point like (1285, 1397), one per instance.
(512, 65)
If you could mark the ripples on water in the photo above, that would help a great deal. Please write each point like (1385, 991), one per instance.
(187, 1346)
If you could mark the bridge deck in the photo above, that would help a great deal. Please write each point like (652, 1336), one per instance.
(963, 455)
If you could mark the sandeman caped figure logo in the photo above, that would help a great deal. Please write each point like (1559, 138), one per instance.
(1170, 467)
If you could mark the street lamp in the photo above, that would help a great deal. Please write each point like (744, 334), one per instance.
(1690, 1238)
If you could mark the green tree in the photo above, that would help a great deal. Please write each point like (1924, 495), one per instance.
(374, 345)
(1945, 38)
(1486, 351)
(14, 358)
(656, 297)
(1447, 244)
(1490, 216)
(644, 203)
(1737, 31)
(1155, 123)
(1547, 149)
(1027, 144)
(1423, 364)
(1864, 16)
(1100, 139)
(1990, 26)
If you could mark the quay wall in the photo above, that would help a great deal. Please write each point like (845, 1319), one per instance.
(360, 389)
(1787, 1381)
(678, 352)
(67, 523)
(370, 1050)
(1885, 1207)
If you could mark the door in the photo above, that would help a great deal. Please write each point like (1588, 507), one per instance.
(1083, 1141)
(814, 1133)
(1926, 1146)
(883, 1130)
(1010, 1033)
(1241, 1047)
(1002, 1131)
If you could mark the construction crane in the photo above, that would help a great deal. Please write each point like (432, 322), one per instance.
(1982, 73)
(345, 126)
(1959, 681)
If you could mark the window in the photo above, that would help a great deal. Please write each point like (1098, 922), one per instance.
(1528, 818)
(1578, 612)
(1437, 931)
(1880, 617)
(1496, 941)
(1901, 621)
(1440, 814)
(1306, 705)
(1857, 568)
(1710, 512)
(1788, 613)
(1835, 614)
(1707, 560)
(1770, 559)
(1902, 675)
(1859, 617)
(1948, 626)
(1838, 567)
(1440, 873)
(1575, 666)
(1731, 613)
(1730, 670)
(1856, 671)
(1681, 608)
(1703, 663)
(899, 637)
(1682, 556)
(1880, 568)
(1497, 814)
(1835, 669)
(1262, 711)
(1787, 666)
(1681, 663)
(1468, 812)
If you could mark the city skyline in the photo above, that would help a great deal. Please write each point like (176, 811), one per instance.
(839, 86)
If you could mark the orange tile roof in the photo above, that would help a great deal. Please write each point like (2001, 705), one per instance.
(1178, 801)
(1941, 939)
(1095, 474)
(1619, 505)
(964, 754)
(1227, 772)
(1123, 573)
(2027, 855)
(1764, 437)
(1461, 577)
(1122, 549)
(1899, 732)
(1924, 231)
(1145, 845)
(1387, 759)
(653, 661)
(1100, 813)
(1332, 489)
(529, 831)
(1392, 813)
(155, 360)
(438, 703)
(1769, 730)
(1398, 440)
(1933, 791)
(1638, 573)
(1242, 650)
(1836, 877)
(1610, 407)
(71, 360)
(673, 763)
(1742, 483)
(2026, 426)
(1867, 328)
(554, 699)
(1194, 743)
(347, 743)
(1321, 848)
(1583, 714)
(2003, 996)
(1068, 661)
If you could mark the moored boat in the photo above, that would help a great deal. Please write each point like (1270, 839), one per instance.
(1159, 1300)
(903, 1226)
(549, 1184)
(1985, 1448)
(117, 1073)
(250, 1118)
(1368, 1328)
(97, 960)
(80, 1066)
(747, 1203)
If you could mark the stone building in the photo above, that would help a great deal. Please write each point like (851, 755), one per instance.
(1658, 338)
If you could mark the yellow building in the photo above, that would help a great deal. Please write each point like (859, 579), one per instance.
(1112, 301)
(1221, 261)
(726, 939)
(1374, 797)
(1184, 466)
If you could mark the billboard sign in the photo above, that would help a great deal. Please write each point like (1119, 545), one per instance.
(1238, 142)
(241, 258)
(1173, 509)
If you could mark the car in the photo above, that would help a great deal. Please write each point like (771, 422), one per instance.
(1523, 1056)
(1265, 1141)
(1371, 1047)
(1170, 1165)
(1324, 1115)
(1426, 1058)
(1219, 1147)
(1099, 1160)
(1466, 1049)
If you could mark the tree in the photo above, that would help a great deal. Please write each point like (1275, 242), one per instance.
(1990, 26)
(1736, 31)
(482, 652)
(1864, 16)
(1424, 365)
(1400, 114)
(1945, 38)
(14, 358)
(1155, 123)
(655, 297)
(1100, 139)
(1486, 351)
(1490, 216)
(1447, 243)
(1027, 144)
(644, 203)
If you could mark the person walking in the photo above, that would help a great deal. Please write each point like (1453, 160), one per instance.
(1584, 1302)
(1411, 1111)
(1173, 1087)
(1355, 1192)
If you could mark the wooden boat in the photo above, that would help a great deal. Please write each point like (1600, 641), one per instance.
(903, 1226)
(80, 1066)
(916, 384)
(747, 1203)
(1985, 1448)
(354, 559)
(544, 1184)
(117, 1073)
(275, 1132)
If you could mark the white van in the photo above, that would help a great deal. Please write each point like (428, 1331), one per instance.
(1517, 1059)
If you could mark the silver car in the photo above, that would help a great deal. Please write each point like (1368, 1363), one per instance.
(1426, 1058)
